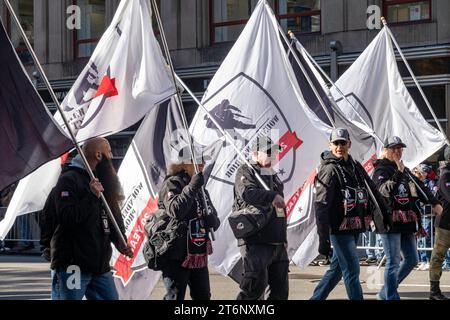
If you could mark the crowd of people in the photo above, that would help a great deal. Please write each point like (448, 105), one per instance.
(393, 208)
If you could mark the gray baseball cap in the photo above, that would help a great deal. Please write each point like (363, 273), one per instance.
(393, 142)
(339, 134)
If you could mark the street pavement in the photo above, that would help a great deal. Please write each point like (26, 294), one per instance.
(28, 278)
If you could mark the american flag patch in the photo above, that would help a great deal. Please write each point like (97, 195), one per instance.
(64, 194)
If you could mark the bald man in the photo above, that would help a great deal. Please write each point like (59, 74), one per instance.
(81, 243)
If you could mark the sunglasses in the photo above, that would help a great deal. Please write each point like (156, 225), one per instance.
(271, 152)
(340, 143)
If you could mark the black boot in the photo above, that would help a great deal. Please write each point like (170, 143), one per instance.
(435, 291)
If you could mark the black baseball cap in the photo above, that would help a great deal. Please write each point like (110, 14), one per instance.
(394, 141)
(339, 134)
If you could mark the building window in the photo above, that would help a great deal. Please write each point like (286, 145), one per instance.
(93, 24)
(299, 16)
(228, 17)
(407, 11)
(25, 13)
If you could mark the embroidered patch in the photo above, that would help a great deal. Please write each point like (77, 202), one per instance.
(64, 194)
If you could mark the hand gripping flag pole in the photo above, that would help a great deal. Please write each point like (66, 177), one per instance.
(414, 78)
(66, 122)
(180, 106)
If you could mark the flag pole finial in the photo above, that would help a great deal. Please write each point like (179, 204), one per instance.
(290, 33)
(383, 20)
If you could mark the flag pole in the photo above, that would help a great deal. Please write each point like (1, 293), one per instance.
(180, 104)
(311, 59)
(222, 131)
(66, 122)
(319, 98)
(414, 78)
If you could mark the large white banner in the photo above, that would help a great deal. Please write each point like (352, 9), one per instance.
(376, 90)
(252, 94)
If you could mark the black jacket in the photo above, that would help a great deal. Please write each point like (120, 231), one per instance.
(248, 192)
(443, 221)
(330, 189)
(402, 201)
(178, 198)
(79, 238)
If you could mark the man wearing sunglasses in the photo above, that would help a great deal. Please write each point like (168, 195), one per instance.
(345, 207)
(264, 253)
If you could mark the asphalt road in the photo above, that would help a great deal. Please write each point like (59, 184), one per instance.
(28, 278)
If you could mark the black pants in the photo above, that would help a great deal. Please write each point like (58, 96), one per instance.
(176, 279)
(264, 265)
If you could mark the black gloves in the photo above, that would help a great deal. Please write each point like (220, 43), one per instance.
(212, 221)
(197, 181)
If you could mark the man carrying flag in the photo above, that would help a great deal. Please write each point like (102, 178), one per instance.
(124, 79)
(81, 243)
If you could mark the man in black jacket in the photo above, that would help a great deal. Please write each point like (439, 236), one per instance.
(442, 224)
(186, 262)
(81, 243)
(345, 207)
(264, 254)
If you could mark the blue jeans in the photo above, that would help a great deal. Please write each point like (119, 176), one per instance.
(425, 242)
(344, 263)
(93, 286)
(55, 286)
(395, 245)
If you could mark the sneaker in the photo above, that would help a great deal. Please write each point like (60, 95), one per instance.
(379, 297)
(424, 266)
(325, 262)
(420, 266)
(371, 260)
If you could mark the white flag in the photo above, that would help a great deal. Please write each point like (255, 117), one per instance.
(375, 88)
(125, 77)
(252, 94)
(141, 175)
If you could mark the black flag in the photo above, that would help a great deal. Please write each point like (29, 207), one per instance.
(29, 137)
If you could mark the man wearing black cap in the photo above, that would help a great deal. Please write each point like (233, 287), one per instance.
(442, 224)
(345, 207)
(402, 192)
(264, 253)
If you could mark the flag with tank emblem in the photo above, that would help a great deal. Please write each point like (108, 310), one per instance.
(253, 94)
